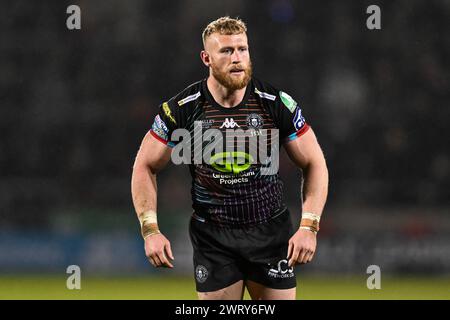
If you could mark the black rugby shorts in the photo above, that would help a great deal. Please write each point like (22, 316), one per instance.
(224, 255)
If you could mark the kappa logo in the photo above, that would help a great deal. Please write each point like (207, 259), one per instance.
(201, 273)
(282, 270)
(229, 124)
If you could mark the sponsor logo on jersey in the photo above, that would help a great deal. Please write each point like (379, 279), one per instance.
(231, 179)
(243, 149)
(189, 98)
(281, 270)
(206, 124)
(201, 273)
(254, 121)
(288, 101)
(229, 124)
(160, 128)
(298, 120)
(265, 95)
(160, 123)
(168, 112)
(231, 162)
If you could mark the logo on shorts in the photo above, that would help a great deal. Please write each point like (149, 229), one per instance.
(281, 270)
(201, 273)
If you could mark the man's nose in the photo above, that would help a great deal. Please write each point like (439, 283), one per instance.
(236, 57)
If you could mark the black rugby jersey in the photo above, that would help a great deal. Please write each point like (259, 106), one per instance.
(232, 187)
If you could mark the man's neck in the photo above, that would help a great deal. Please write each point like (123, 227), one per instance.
(223, 96)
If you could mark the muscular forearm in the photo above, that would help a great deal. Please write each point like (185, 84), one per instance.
(315, 188)
(143, 189)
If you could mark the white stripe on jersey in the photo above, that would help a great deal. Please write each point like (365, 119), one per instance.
(265, 95)
(189, 98)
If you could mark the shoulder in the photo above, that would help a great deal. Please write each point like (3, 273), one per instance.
(274, 96)
(265, 90)
(180, 108)
(188, 95)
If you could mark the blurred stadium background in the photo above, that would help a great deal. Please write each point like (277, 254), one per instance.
(74, 106)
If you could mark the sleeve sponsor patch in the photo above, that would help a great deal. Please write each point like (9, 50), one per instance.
(288, 101)
(168, 112)
(160, 128)
(189, 98)
(298, 119)
(265, 95)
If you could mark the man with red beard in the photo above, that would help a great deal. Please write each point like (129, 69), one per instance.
(240, 228)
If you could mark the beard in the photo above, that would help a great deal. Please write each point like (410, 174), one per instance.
(230, 82)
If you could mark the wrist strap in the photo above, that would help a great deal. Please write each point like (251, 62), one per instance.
(309, 229)
(310, 221)
(149, 223)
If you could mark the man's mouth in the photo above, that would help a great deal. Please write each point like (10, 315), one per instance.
(236, 71)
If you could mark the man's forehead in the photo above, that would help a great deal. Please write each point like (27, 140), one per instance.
(223, 40)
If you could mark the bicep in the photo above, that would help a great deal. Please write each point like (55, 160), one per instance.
(305, 150)
(153, 153)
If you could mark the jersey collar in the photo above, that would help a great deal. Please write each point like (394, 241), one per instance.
(213, 102)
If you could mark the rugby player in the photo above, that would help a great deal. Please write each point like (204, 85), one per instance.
(240, 229)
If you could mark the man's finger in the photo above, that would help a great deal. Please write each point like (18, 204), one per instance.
(290, 247)
(152, 261)
(301, 256)
(307, 257)
(169, 251)
(157, 260)
(164, 261)
(294, 256)
(311, 255)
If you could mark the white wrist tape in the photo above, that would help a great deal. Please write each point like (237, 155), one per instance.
(149, 216)
(311, 216)
(309, 229)
(149, 224)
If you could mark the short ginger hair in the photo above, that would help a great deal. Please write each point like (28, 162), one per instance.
(225, 26)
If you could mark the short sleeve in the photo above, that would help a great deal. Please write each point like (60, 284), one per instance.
(291, 121)
(165, 122)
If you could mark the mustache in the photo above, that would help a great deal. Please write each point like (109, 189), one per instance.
(238, 68)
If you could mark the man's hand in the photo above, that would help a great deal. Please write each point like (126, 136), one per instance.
(157, 249)
(302, 247)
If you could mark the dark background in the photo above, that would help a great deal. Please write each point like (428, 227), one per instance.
(75, 105)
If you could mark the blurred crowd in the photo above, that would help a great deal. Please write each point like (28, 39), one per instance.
(74, 105)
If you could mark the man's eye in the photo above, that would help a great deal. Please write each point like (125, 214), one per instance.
(243, 49)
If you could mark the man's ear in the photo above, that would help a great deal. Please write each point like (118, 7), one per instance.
(205, 58)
